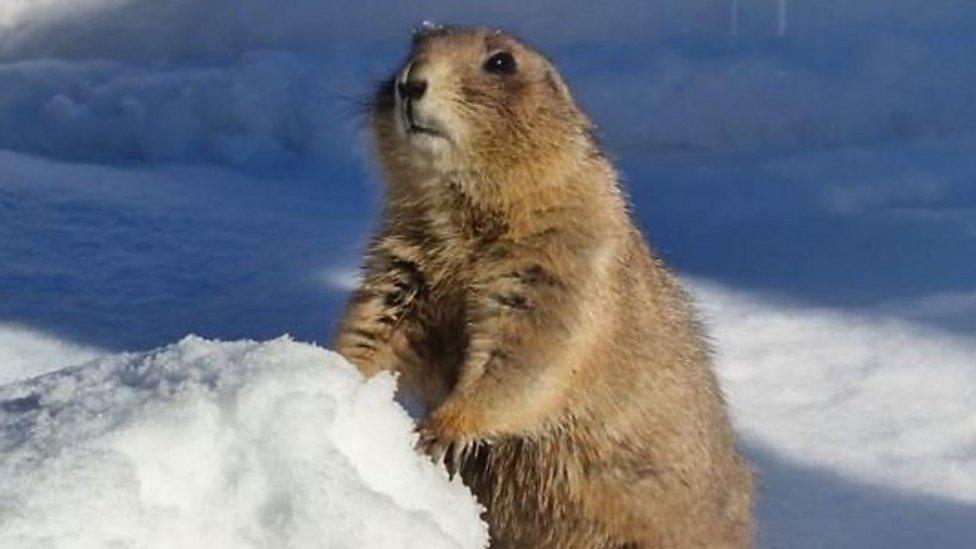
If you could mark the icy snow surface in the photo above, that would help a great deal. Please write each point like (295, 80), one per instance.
(207, 444)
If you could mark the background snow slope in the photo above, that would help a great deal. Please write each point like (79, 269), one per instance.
(171, 167)
(861, 425)
(204, 444)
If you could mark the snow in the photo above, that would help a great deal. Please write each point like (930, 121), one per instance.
(876, 399)
(209, 444)
(267, 107)
(25, 353)
(199, 167)
(861, 425)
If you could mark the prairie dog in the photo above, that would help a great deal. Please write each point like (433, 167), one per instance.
(564, 375)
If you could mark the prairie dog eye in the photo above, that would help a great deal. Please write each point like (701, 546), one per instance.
(500, 63)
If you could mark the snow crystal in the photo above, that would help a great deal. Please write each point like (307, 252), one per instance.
(207, 444)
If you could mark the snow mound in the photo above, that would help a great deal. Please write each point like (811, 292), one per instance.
(210, 444)
(25, 353)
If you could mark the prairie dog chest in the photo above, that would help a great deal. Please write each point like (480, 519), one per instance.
(449, 247)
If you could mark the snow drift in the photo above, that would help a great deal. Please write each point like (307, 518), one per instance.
(25, 353)
(871, 397)
(281, 107)
(158, 82)
(206, 444)
(860, 425)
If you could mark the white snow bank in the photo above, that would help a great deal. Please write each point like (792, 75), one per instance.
(206, 444)
(884, 401)
(25, 353)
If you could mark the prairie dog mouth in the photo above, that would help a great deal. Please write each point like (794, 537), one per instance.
(407, 107)
(411, 125)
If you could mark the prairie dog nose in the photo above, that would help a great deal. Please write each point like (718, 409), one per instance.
(411, 85)
(412, 89)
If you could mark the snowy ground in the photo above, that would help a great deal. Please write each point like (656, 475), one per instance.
(160, 176)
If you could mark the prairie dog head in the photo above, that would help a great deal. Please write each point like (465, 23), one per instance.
(475, 103)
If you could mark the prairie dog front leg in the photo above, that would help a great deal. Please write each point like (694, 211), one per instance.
(391, 284)
(522, 313)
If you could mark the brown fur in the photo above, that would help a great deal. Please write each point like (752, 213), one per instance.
(566, 378)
